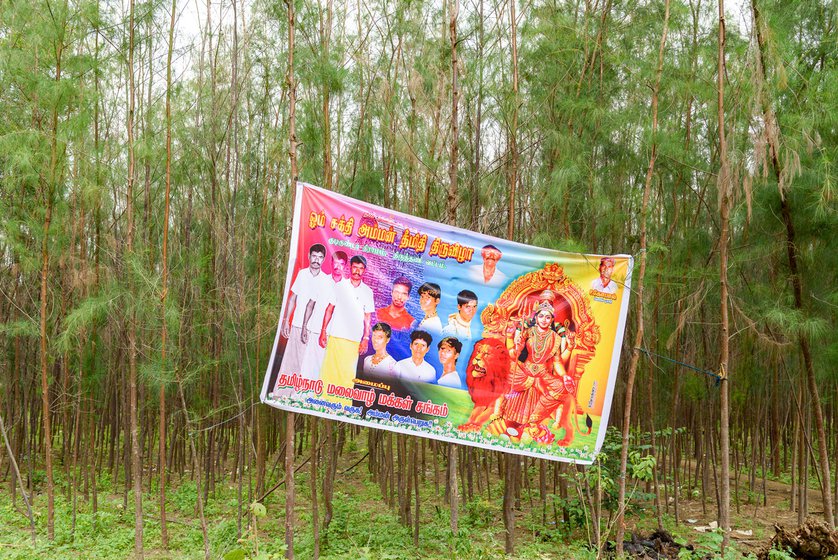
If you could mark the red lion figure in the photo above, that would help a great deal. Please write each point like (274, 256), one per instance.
(487, 377)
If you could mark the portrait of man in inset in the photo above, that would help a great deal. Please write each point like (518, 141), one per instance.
(449, 351)
(460, 323)
(429, 296)
(396, 314)
(604, 284)
(415, 368)
(488, 273)
(380, 363)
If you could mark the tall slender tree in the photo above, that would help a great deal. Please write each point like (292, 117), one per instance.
(512, 138)
(128, 257)
(773, 136)
(292, 189)
(451, 217)
(641, 275)
(724, 188)
(164, 533)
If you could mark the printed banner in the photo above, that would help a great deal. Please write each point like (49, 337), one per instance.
(400, 323)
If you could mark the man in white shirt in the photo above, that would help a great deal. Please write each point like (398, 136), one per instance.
(415, 368)
(604, 284)
(449, 350)
(429, 296)
(304, 291)
(459, 323)
(346, 327)
(313, 320)
(488, 272)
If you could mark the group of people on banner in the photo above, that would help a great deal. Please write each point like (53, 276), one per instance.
(330, 320)
(397, 322)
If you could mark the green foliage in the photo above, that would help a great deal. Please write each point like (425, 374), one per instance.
(89, 313)
(779, 554)
(642, 466)
(235, 554)
(480, 513)
(185, 498)
(21, 327)
(795, 323)
(258, 510)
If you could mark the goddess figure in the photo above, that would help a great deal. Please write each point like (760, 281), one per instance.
(540, 374)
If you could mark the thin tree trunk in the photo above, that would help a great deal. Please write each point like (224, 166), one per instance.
(772, 137)
(15, 469)
(164, 533)
(292, 104)
(289, 484)
(451, 217)
(261, 415)
(136, 462)
(475, 180)
(509, 490)
(315, 468)
(329, 474)
(724, 342)
(453, 196)
(49, 195)
(638, 338)
(76, 436)
(292, 154)
(196, 467)
(325, 38)
(513, 130)
(510, 480)
(47, 436)
(417, 508)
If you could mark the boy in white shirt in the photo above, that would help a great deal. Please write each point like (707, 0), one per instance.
(449, 350)
(415, 368)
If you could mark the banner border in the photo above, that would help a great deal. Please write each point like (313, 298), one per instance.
(613, 370)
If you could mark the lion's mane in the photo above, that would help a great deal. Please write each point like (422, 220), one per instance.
(486, 389)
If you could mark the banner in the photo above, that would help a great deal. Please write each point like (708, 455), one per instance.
(400, 323)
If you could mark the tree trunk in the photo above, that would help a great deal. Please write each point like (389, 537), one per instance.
(475, 179)
(291, 83)
(329, 474)
(315, 468)
(724, 186)
(797, 284)
(325, 38)
(196, 467)
(453, 196)
(509, 490)
(136, 461)
(289, 484)
(47, 436)
(513, 129)
(19, 480)
(164, 533)
(451, 218)
(638, 337)
(292, 154)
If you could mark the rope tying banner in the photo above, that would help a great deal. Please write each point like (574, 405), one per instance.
(716, 376)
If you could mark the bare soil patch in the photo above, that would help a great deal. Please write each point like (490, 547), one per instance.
(752, 522)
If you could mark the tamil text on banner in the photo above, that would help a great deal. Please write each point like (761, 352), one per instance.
(400, 323)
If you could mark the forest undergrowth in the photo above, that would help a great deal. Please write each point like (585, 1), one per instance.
(363, 526)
